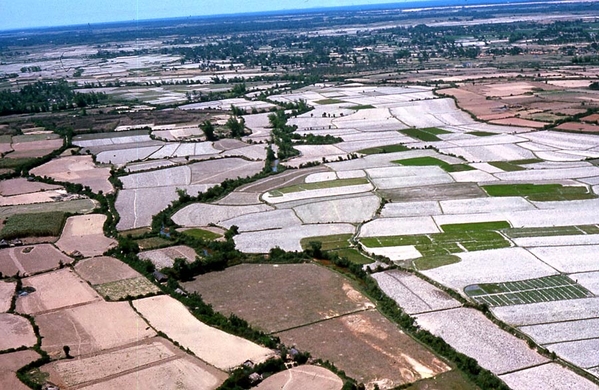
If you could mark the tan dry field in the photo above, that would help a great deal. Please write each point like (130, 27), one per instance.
(10, 363)
(29, 260)
(91, 328)
(85, 234)
(301, 378)
(32, 198)
(35, 148)
(77, 169)
(369, 348)
(55, 290)
(16, 331)
(21, 185)
(591, 118)
(165, 257)
(104, 269)
(278, 297)
(7, 291)
(215, 347)
(152, 364)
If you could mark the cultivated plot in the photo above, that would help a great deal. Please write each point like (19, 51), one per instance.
(277, 297)
(155, 363)
(84, 234)
(91, 328)
(552, 375)
(471, 333)
(10, 363)
(78, 170)
(368, 347)
(54, 290)
(31, 259)
(547, 289)
(213, 346)
(17, 332)
(413, 294)
(165, 257)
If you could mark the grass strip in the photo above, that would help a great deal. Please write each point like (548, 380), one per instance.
(431, 161)
(319, 185)
(384, 149)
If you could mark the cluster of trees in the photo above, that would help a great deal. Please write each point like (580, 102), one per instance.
(46, 96)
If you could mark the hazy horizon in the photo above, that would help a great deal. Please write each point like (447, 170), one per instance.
(38, 14)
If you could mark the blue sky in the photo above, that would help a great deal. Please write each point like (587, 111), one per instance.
(41, 13)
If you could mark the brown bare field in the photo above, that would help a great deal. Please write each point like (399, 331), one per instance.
(498, 99)
(165, 257)
(77, 169)
(10, 363)
(35, 148)
(16, 332)
(153, 364)
(7, 291)
(519, 122)
(575, 126)
(85, 234)
(278, 297)
(91, 328)
(591, 118)
(135, 287)
(28, 260)
(302, 377)
(369, 348)
(21, 185)
(104, 269)
(55, 290)
(213, 346)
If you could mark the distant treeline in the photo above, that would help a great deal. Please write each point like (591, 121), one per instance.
(45, 97)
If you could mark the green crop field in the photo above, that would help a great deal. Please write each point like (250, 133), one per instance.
(361, 107)
(430, 262)
(481, 133)
(506, 166)
(34, 225)
(202, 234)
(430, 161)
(546, 289)
(336, 241)
(552, 231)
(353, 255)
(319, 185)
(540, 192)
(427, 134)
(458, 238)
(384, 149)
(329, 101)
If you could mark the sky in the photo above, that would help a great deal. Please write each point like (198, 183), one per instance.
(16, 14)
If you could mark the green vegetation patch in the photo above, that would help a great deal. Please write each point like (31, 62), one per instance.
(384, 149)
(319, 185)
(329, 101)
(506, 166)
(333, 242)
(546, 289)
(450, 380)
(11, 163)
(353, 255)
(361, 107)
(430, 262)
(427, 134)
(481, 133)
(120, 289)
(152, 243)
(202, 234)
(430, 161)
(552, 231)
(447, 243)
(474, 226)
(540, 192)
(34, 225)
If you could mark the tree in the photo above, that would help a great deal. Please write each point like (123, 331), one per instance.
(235, 126)
(208, 128)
